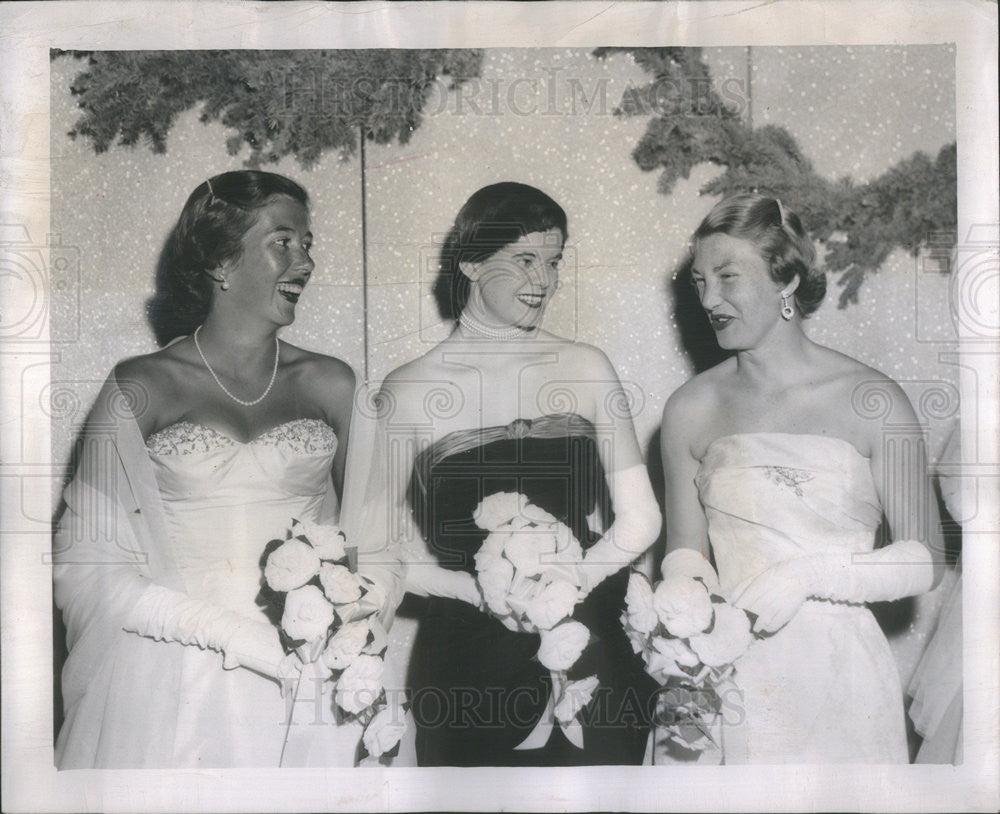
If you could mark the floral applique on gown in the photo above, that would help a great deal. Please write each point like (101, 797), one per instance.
(824, 688)
(223, 501)
(478, 690)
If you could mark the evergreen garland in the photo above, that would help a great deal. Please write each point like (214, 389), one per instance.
(280, 103)
(859, 224)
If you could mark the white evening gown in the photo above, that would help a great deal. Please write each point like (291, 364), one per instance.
(824, 688)
(223, 501)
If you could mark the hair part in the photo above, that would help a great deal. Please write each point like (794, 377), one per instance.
(778, 235)
(208, 234)
(492, 218)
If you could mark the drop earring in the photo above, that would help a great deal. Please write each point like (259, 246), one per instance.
(787, 312)
(225, 287)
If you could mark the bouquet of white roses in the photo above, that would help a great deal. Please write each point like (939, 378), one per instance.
(689, 639)
(329, 618)
(527, 570)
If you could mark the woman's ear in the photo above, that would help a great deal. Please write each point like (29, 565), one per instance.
(469, 269)
(789, 289)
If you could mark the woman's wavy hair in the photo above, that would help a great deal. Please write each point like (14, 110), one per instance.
(209, 233)
(495, 216)
(779, 237)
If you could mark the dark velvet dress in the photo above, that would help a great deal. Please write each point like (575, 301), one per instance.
(478, 690)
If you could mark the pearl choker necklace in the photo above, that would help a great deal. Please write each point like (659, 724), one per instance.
(491, 333)
(262, 396)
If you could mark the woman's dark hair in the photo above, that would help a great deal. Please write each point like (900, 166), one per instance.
(208, 233)
(779, 237)
(492, 218)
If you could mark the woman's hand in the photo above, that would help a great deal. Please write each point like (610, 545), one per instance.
(776, 595)
(256, 646)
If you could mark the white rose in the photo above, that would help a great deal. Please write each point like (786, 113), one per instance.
(497, 509)
(636, 639)
(339, 584)
(562, 645)
(526, 549)
(373, 599)
(384, 731)
(291, 565)
(566, 548)
(308, 614)
(551, 604)
(640, 614)
(532, 514)
(575, 696)
(729, 639)
(379, 637)
(360, 685)
(665, 657)
(683, 606)
(328, 541)
(346, 644)
(495, 581)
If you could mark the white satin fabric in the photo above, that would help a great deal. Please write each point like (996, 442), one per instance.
(825, 687)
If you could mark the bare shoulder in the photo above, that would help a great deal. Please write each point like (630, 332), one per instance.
(697, 398)
(401, 396)
(156, 372)
(325, 381)
(586, 360)
(152, 382)
(415, 373)
(868, 389)
(326, 371)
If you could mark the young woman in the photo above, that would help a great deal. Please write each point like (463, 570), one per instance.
(502, 405)
(194, 457)
(775, 467)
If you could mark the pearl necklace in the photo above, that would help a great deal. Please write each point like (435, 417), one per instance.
(262, 396)
(491, 333)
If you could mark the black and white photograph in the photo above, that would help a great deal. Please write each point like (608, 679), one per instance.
(553, 406)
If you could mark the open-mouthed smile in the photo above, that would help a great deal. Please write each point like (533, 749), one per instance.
(532, 300)
(291, 291)
(720, 321)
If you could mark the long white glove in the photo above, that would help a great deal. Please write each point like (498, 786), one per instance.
(637, 522)
(167, 615)
(901, 569)
(686, 562)
(425, 578)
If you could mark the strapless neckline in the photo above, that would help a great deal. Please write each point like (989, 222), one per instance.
(787, 435)
(164, 441)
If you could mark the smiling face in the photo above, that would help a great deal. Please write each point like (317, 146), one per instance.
(274, 266)
(736, 290)
(512, 286)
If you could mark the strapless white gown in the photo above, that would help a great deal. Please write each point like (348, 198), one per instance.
(825, 688)
(224, 500)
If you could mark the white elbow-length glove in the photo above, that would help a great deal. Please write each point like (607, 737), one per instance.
(903, 568)
(425, 579)
(168, 615)
(637, 522)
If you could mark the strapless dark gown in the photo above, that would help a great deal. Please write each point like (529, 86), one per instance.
(478, 690)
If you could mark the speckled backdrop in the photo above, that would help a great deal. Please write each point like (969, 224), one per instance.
(533, 116)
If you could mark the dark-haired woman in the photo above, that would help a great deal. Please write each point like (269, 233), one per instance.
(193, 458)
(774, 468)
(502, 405)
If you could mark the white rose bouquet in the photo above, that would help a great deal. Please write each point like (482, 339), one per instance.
(329, 618)
(527, 570)
(689, 639)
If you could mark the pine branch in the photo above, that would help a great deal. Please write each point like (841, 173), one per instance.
(859, 225)
(277, 103)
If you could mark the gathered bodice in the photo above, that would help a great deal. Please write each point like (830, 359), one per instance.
(552, 460)
(225, 499)
(769, 497)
